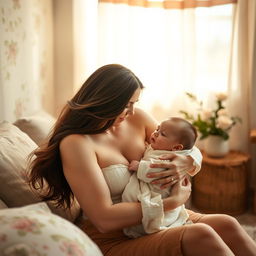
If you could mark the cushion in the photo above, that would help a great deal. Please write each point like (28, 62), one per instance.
(36, 126)
(34, 230)
(15, 146)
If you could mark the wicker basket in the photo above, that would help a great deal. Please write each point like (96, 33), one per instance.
(221, 185)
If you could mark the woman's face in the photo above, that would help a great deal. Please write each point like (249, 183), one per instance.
(129, 109)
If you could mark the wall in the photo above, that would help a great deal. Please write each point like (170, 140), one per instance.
(26, 58)
(75, 44)
(63, 51)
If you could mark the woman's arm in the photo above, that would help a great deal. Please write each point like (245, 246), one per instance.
(180, 192)
(90, 189)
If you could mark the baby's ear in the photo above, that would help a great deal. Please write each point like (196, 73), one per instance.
(177, 147)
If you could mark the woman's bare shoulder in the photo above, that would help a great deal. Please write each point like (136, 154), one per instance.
(145, 121)
(77, 153)
(74, 140)
(143, 116)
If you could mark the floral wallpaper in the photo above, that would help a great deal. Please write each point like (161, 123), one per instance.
(26, 57)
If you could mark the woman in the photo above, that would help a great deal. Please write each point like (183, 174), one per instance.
(100, 128)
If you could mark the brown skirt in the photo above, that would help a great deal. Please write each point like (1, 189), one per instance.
(164, 243)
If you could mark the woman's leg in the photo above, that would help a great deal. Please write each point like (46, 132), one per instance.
(190, 240)
(200, 239)
(195, 239)
(232, 233)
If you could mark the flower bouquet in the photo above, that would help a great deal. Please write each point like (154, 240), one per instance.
(211, 122)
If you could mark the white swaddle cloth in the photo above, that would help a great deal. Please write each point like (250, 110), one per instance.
(154, 218)
(140, 189)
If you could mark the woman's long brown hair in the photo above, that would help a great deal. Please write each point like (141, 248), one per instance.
(93, 109)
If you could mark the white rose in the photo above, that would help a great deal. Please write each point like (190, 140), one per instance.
(223, 112)
(221, 96)
(223, 122)
(206, 114)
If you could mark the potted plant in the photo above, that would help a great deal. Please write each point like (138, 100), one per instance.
(213, 124)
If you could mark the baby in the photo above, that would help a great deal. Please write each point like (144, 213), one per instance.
(176, 135)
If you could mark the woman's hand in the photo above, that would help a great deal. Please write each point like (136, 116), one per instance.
(176, 169)
(179, 194)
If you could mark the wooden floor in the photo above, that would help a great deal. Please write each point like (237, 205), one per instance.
(248, 221)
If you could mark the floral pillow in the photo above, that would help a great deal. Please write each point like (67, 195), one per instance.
(34, 231)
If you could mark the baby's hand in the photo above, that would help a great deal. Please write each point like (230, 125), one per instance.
(133, 165)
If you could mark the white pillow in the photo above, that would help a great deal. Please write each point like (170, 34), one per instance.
(15, 146)
(36, 126)
(34, 230)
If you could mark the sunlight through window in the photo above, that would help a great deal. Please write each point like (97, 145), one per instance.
(171, 50)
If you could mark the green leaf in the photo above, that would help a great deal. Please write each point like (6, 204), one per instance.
(187, 115)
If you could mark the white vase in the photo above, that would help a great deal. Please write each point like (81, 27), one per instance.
(216, 146)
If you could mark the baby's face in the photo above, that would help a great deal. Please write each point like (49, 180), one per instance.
(165, 137)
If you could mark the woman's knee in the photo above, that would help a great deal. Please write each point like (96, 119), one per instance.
(228, 222)
(207, 237)
(199, 231)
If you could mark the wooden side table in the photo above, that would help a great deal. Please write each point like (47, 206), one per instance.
(221, 185)
(253, 136)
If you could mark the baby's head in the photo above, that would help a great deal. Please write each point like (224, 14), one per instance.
(174, 134)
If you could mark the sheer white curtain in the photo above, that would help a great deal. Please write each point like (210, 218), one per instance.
(242, 79)
(171, 50)
(85, 17)
(200, 50)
